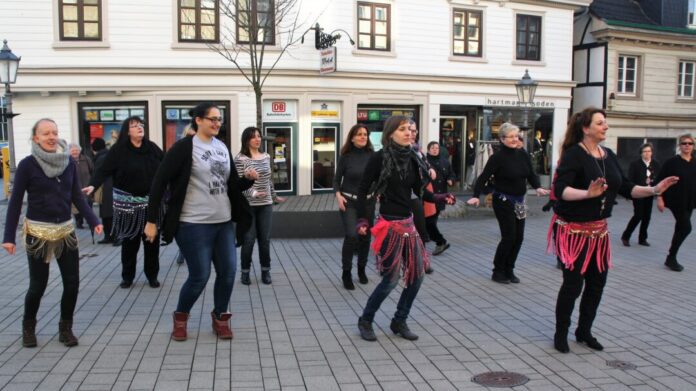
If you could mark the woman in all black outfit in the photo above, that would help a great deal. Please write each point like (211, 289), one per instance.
(392, 174)
(680, 199)
(132, 163)
(588, 179)
(512, 168)
(642, 171)
(355, 153)
(444, 177)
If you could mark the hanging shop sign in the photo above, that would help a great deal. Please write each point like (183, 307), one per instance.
(326, 111)
(279, 111)
(327, 60)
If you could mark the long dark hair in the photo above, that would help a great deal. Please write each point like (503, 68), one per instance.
(390, 125)
(577, 122)
(200, 111)
(123, 137)
(247, 135)
(348, 145)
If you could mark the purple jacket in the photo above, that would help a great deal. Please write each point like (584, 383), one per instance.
(48, 199)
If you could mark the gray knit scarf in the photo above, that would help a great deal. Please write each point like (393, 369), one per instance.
(52, 163)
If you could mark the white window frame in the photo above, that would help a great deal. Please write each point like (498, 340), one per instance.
(392, 30)
(76, 44)
(542, 55)
(681, 78)
(621, 75)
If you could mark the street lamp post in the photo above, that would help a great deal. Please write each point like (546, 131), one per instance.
(8, 75)
(526, 89)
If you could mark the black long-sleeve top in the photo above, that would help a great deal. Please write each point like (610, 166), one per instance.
(577, 169)
(512, 169)
(682, 195)
(638, 172)
(350, 169)
(396, 200)
(132, 168)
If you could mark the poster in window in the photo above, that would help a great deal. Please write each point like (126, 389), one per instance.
(373, 115)
(172, 114)
(95, 131)
(185, 114)
(91, 115)
(106, 115)
(121, 114)
(139, 113)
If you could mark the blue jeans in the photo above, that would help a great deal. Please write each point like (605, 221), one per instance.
(382, 290)
(201, 245)
(260, 229)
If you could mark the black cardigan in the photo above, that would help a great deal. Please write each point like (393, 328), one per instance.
(174, 174)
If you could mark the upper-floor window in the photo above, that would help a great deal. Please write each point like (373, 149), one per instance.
(627, 79)
(692, 14)
(528, 37)
(80, 20)
(685, 83)
(466, 30)
(256, 21)
(374, 29)
(198, 21)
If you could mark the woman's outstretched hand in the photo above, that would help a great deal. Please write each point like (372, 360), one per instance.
(597, 188)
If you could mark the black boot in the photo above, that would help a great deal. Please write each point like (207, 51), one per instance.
(347, 280)
(245, 278)
(29, 333)
(586, 337)
(266, 277)
(673, 264)
(560, 341)
(366, 331)
(65, 334)
(362, 277)
(400, 327)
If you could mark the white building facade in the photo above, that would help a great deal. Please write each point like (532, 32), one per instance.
(451, 65)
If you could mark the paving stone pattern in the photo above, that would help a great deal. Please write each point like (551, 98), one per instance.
(300, 333)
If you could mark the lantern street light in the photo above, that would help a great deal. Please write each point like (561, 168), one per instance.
(526, 89)
(8, 75)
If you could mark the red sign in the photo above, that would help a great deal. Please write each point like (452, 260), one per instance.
(362, 115)
(278, 107)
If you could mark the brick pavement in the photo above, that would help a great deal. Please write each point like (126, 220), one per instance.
(300, 333)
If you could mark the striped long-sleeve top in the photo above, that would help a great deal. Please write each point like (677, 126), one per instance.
(262, 192)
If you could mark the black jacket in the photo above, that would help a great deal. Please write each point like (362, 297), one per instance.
(174, 173)
(682, 195)
(637, 172)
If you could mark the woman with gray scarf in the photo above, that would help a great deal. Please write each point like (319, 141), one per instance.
(50, 179)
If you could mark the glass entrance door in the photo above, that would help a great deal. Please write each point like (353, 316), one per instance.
(280, 146)
(323, 156)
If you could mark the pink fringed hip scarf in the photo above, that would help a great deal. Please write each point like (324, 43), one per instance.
(400, 235)
(574, 237)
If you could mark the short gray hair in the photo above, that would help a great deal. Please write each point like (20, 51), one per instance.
(74, 145)
(506, 128)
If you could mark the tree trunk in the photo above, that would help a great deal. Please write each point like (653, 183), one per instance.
(259, 107)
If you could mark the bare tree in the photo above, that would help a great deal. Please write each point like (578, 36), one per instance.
(247, 27)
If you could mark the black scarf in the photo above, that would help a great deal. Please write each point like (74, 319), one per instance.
(396, 161)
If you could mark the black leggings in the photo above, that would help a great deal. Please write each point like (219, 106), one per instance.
(511, 236)
(129, 256)
(69, 265)
(682, 229)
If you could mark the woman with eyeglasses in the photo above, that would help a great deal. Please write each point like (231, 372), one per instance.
(132, 163)
(261, 197)
(355, 154)
(204, 204)
(643, 171)
(512, 168)
(680, 199)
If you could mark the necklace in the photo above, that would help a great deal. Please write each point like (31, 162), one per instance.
(602, 172)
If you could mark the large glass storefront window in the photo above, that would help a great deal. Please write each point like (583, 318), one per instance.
(373, 117)
(103, 120)
(176, 119)
(323, 156)
(279, 146)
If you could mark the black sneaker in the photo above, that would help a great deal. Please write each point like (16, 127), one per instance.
(125, 284)
(266, 277)
(673, 265)
(500, 278)
(154, 283)
(245, 278)
(440, 248)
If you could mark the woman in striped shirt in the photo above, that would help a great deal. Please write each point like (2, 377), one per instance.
(261, 197)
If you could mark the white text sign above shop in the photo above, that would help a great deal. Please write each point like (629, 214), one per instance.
(326, 111)
(508, 102)
(327, 60)
(280, 111)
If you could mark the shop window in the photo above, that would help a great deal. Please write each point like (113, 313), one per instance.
(256, 21)
(199, 20)
(528, 37)
(279, 146)
(685, 83)
(177, 121)
(103, 120)
(627, 80)
(324, 157)
(373, 117)
(374, 26)
(466, 30)
(80, 20)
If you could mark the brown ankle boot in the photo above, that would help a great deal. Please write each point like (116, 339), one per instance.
(65, 334)
(221, 327)
(179, 332)
(29, 333)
